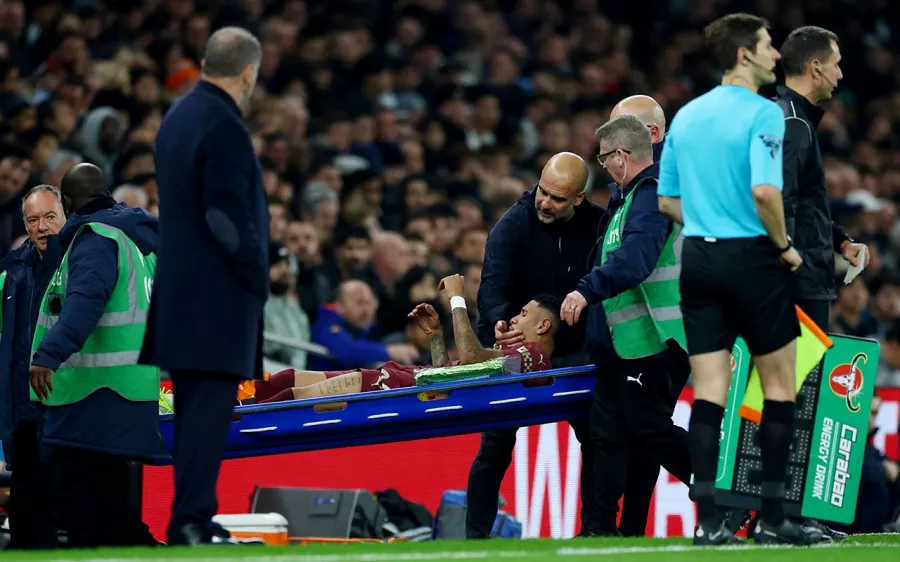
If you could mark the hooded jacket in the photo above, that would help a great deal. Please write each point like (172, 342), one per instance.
(104, 421)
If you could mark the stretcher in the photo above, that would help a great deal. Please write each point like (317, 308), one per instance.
(404, 414)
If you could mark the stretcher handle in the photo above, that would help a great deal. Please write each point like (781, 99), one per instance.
(309, 347)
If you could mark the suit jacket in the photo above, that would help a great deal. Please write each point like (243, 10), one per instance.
(212, 276)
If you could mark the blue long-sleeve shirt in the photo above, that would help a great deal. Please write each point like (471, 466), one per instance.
(643, 238)
(350, 347)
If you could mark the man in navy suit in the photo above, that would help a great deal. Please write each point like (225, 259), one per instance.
(212, 278)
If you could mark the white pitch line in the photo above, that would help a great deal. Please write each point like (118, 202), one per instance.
(479, 555)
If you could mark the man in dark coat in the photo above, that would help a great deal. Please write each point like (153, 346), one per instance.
(212, 279)
(24, 276)
(543, 244)
(93, 426)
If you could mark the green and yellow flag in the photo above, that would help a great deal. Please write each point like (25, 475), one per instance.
(811, 347)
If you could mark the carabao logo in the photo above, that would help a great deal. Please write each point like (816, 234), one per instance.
(847, 381)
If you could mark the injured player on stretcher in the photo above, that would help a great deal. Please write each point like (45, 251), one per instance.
(538, 320)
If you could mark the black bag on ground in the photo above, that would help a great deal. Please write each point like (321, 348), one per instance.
(404, 514)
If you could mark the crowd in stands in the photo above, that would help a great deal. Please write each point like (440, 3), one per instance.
(393, 134)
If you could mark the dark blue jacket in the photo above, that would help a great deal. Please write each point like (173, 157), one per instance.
(350, 346)
(212, 277)
(27, 279)
(525, 257)
(643, 238)
(104, 421)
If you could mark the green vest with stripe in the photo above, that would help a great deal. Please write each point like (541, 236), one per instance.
(641, 320)
(108, 359)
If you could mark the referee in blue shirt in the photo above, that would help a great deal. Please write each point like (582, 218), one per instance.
(721, 176)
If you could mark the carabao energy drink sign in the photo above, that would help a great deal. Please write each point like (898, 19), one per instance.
(841, 430)
(832, 435)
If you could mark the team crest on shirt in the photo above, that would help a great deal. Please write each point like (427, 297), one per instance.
(772, 143)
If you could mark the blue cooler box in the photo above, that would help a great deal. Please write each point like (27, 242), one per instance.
(450, 522)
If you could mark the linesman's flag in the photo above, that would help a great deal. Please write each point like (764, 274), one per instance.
(811, 347)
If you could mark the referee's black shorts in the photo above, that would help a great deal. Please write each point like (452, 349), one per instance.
(736, 287)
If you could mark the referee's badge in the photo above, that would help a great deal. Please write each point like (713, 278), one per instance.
(772, 143)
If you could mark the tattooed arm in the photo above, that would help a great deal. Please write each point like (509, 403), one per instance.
(438, 349)
(470, 350)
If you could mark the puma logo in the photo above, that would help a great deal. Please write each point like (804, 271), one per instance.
(635, 379)
(383, 377)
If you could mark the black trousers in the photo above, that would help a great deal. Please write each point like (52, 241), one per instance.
(92, 491)
(490, 465)
(32, 519)
(632, 412)
(644, 465)
(204, 405)
(818, 311)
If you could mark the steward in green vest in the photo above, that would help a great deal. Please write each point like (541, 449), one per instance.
(644, 319)
(84, 371)
(635, 334)
(108, 357)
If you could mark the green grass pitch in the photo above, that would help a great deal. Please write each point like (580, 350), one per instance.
(858, 548)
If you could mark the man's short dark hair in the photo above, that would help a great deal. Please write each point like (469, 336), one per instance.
(728, 34)
(552, 304)
(346, 231)
(803, 45)
(228, 51)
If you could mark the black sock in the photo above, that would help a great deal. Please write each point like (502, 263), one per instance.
(703, 435)
(775, 434)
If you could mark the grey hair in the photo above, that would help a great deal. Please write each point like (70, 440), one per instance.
(57, 158)
(42, 188)
(228, 51)
(316, 193)
(121, 193)
(628, 133)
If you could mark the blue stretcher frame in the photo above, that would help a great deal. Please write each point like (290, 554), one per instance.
(388, 416)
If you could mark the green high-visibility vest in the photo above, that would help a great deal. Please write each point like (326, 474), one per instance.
(641, 320)
(109, 357)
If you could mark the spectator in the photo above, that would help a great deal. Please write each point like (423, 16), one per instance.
(391, 261)
(12, 185)
(879, 486)
(283, 315)
(351, 258)
(850, 315)
(320, 207)
(278, 219)
(131, 195)
(312, 284)
(344, 328)
(889, 359)
(470, 246)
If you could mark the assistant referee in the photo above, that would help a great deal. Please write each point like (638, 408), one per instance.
(721, 176)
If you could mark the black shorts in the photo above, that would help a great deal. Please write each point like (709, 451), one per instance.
(736, 287)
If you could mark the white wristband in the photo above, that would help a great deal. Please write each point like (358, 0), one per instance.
(457, 302)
